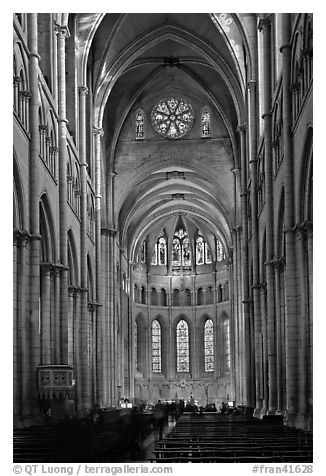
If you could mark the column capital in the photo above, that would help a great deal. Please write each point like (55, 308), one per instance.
(98, 131)
(237, 229)
(303, 228)
(251, 85)
(93, 306)
(278, 262)
(43, 128)
(264, 23)
(108, 231)
(242, 128)
(61, 31)
(236, 170)
(267, 114)
(54, 150)
(83, 90)
(21, 237)
(285, 47)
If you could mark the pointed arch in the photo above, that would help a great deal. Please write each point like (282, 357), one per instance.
(46, 227)
(73, 275)
(18, 202)
(90, 280)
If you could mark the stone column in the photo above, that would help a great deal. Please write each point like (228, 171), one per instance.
(23, 361)
(83, 382)
(308, 226)
(71, 325)
(234, 330)
(304, 358)
(77, 342)
(245, 309)
(15, 366)
(46, 313)
(26, 98)
(31, 358)
(265, 26)
(57, 324)
(98, 316)
(171, 357)
(264, 349)
(109, 335)
(280, 357)
(291, 310)
(62, 34)
(131, 330)
(16, 93)
(252, 130)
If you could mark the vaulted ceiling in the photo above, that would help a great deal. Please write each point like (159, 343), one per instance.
(133, 61)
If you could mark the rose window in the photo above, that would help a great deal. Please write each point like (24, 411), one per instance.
(172, 118)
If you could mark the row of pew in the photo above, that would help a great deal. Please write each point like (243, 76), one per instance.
(214, 438)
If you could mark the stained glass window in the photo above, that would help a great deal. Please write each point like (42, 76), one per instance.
(186, 261)
(227, 348)
(205, 124)
(182, 347)
(209, 345)
(159, 256)
(181, 251)
(154, 256)
(208, 255)
(142, 253)
(172, 117)
(162, 250)
(200, 250)
(140, 120)
(203, 252)
(156, 347)
(220, 255)
(176, 252)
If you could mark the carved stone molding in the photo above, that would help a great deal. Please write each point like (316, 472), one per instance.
(62, 31)
(54, 380)
(98, 131)
(83, 90)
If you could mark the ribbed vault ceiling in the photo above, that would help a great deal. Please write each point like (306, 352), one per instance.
(135, 60)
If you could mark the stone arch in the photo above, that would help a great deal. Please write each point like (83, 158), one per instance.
(18, 202)
(73, 274)
(46, 224)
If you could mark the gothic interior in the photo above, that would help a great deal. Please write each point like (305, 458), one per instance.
(162, 171)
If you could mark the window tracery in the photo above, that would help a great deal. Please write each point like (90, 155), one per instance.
(140, 125)
(205, 124)
(203, 252)
(220, 253)
(182, 346)
(172, 117)
(209, 345)
(156, 347)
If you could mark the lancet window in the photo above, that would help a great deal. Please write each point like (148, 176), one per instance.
(209, 345)
(182, 347)
(156, 347)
